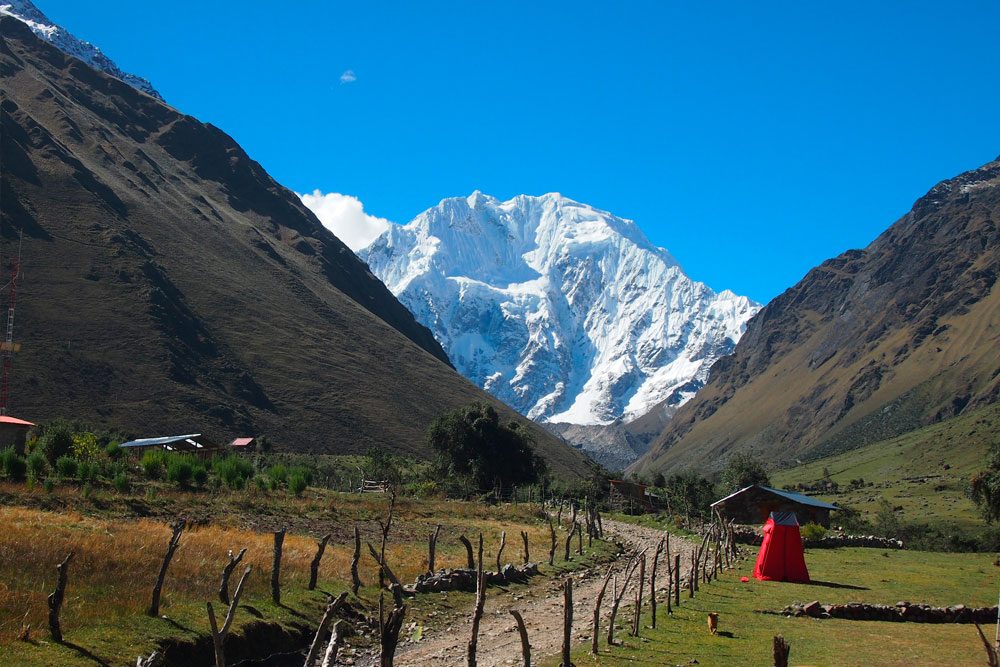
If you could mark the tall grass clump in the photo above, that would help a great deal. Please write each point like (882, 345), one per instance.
(154, 463)
(233, 471)
(13, 465)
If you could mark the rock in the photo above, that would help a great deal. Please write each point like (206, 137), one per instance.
(813, 609)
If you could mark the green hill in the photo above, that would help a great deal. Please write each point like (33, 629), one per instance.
(923, 474)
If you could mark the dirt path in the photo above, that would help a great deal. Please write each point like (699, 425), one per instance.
(542, 609)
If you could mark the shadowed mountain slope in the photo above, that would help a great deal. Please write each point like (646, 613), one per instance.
(869, 345)
(170, 285)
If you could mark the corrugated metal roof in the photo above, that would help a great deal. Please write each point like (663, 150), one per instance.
(5, 419)
(192, 441)
(788, 495)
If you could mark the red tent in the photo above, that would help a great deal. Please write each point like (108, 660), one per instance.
(781, 557)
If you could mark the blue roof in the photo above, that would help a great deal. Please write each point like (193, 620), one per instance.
(185, 442)
(788, 495)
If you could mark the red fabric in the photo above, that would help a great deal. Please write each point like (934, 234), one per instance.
(781, 556)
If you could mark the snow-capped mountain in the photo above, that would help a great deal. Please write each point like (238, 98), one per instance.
(25, 11)
(567, 313)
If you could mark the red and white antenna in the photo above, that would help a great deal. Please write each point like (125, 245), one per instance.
(9, 347)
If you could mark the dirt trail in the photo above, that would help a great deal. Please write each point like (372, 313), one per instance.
(542, 609)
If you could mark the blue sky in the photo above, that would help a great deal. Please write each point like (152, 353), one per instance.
(751, 141)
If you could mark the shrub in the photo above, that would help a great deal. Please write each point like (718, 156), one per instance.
(67, 466)
(180, 470)
(813, 531)
(87, 471)
(278, 475)
(303, 472)
(14, 465)
(233, 471)
(200, 475)
(49, 485)
(743, 470)
(154, 463)
(113, 451)
(56, 442)
(85, 447)
(297, 484)
(37, 465)
(260, 482)
(120, 482)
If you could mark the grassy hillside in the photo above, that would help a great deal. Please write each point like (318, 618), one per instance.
(924, 473)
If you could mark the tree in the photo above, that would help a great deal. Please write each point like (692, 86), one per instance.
(472, 443)
(985, 488)
(743, 470)
(659, 481)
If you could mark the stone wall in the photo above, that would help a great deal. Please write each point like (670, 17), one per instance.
(900, 612)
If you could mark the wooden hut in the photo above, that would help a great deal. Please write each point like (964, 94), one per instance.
(754, 504)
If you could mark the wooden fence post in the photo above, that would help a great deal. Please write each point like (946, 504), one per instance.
(314, 565)
(469, 558)
(330, 657)
(523, 631)
(324, 623)
(432, 549)
(618, 598)
(579, 540)
(355, 579)
(175, 540)
(636, 622)
(652, 582)
(219, 636)
(389, 627)
(569, 541)
(567, 622)
(477, 615)
(677, 580)
(597, 611)
(781, 650)
(524, 538)
(552, 549)
(56, 598)
(227, 572)
(503, 543)
(279, 540)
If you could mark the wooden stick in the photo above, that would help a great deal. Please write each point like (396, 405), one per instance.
(56, 598)
(552, 549)
(569, 540)
(314, 565)
(384, 569)
(638, 597)
(524, 538)
(677, 580)
(523, 631)
(670, 578)
(432, 549)
(597, 611)
(385, 535)
(477, 615)
(279, 540)
(470, 559)
(330, 657)
(567, 622)
(652, 582)
(390, 627)
(579, 540)
(227, 572)
(219, 636)
(618, 598)
(781, 649)
(503, 543)
(175, 540)
(324, 623)
(355, 579)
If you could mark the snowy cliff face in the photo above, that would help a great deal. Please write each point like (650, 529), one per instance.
(567, 313)
(26, 12)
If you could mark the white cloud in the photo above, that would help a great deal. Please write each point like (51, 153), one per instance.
(348, 76)
(345, 216)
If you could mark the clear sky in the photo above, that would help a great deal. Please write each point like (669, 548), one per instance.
(753, 140)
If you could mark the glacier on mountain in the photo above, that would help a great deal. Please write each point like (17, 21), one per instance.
(62, 39)
(565, 312)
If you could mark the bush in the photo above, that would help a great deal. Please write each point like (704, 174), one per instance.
(303, 472)
(200, 475)
(88, 471)
(233, 471)
(743, 470)
(56, 442)
(37, 465)
(426, 489)
(113, 451)
(67, 466)
(120, 482)
(278, 475)
(297, 484)
(14, 466)
(85, 447)
(154, 463)
(49, 485)
(180, 470)
(813, 531)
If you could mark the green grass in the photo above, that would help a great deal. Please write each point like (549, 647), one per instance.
(925, 473)
(882, 577)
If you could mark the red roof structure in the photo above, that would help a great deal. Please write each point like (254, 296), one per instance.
(14, 421)
(242, 442)
(781, 556)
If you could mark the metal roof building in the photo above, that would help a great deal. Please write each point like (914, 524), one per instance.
(194, 442)
(754, 504)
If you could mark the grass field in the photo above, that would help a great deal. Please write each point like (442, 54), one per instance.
(117, 555)
(851, 575)
(924, 473)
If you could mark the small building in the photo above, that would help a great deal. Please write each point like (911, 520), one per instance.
(242, 445)
(14, 432)
(754, 504)
(194, 443)
(629, 496)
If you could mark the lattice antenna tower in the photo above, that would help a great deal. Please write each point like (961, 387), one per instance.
(8, 347)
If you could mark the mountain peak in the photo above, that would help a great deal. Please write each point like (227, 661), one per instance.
(566, 312)
(26, 12)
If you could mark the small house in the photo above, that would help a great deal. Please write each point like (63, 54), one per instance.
(629, 496)
(243, 445)
(194, 443)
(754, 504)
(13, 432)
